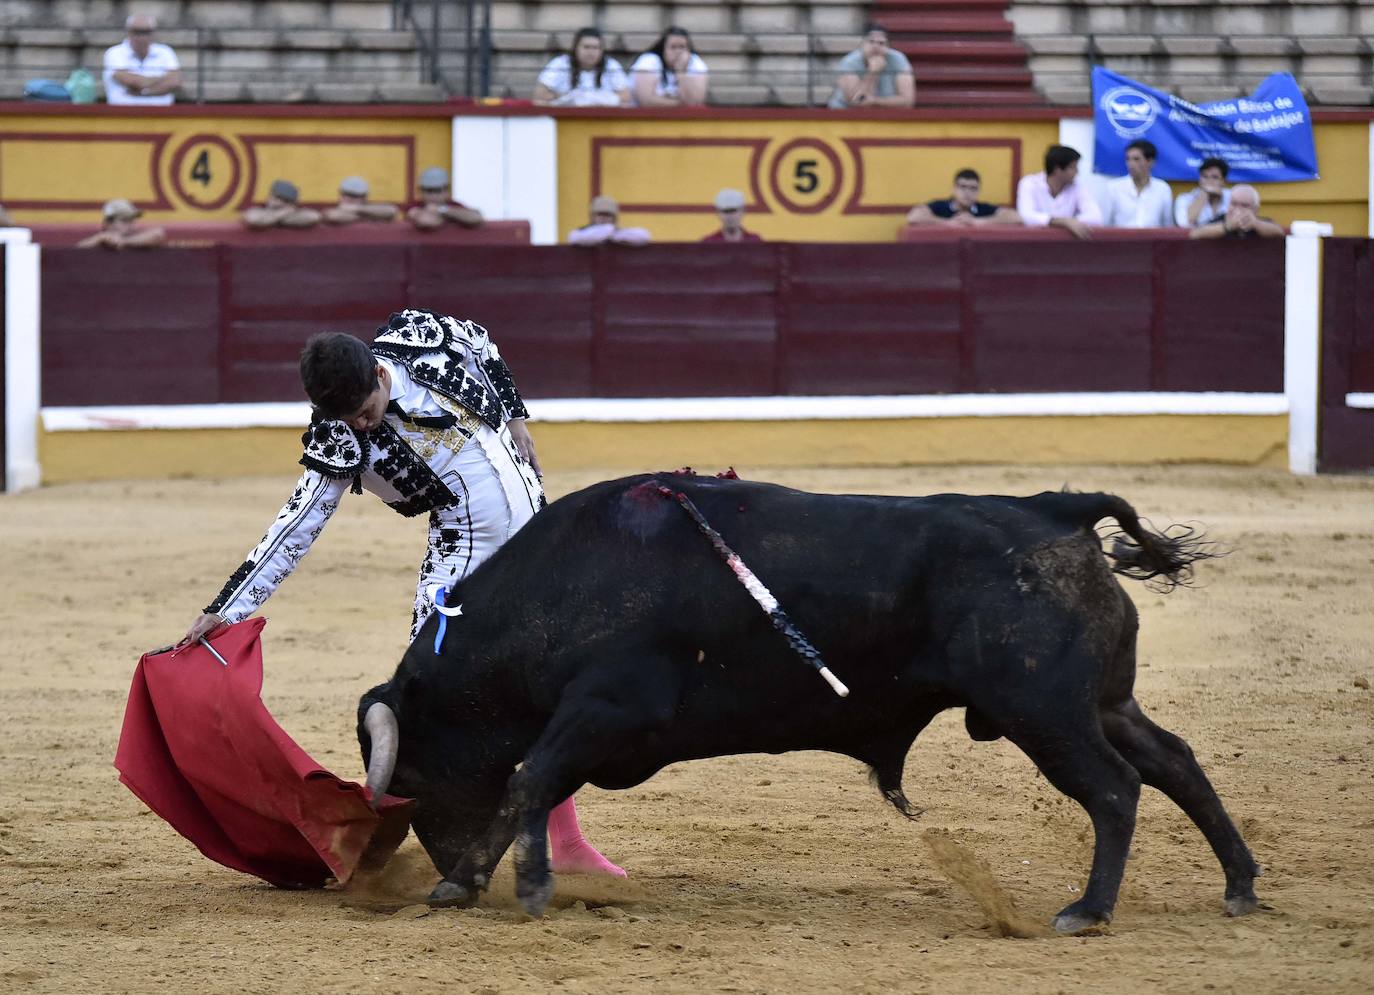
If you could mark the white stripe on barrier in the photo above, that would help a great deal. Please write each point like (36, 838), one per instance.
(1359, 400)
(1302, 302)
(23, 368)
(679, 409)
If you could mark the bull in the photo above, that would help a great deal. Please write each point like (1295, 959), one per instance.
(607, 640)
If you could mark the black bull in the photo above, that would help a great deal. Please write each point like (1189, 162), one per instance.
(607, 639)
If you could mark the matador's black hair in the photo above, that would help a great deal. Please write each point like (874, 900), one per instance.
(338, 372)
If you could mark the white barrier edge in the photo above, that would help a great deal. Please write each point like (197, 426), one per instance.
(1302, 348)
(531, 175)
(478, 151)
(23, 359)
(1359, 400)
(678, 409)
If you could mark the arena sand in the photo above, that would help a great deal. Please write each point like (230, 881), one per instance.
(748, 874)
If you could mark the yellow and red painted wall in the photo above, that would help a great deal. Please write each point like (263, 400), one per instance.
(807, 175)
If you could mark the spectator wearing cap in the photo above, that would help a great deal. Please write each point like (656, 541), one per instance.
(436, 207)
(730, 210)
(119, 229)
(962, 209)
(353, 205)
(604, 226)
(140, 71)
(282, 209)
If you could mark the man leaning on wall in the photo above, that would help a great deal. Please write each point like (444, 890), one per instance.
(140, 72)
(1055, 198)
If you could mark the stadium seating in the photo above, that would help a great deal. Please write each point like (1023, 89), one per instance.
(268, 51)
(761, 52)
(1201, 50)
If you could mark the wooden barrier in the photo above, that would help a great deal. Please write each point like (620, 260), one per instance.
(200, 234)
(225, 324)
(1347, 363)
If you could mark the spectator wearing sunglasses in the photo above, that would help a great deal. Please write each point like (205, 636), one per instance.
(437, 207)
(141, 72)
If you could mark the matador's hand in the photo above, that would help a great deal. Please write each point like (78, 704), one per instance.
(202, 627)
(524, 444)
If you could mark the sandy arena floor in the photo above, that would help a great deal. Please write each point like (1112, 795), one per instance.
(749, 873)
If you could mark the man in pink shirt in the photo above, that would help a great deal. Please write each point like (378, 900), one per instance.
(1054, 198)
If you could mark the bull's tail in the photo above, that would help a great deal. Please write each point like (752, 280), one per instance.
(1163, 559)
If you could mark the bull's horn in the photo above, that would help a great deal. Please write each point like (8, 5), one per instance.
(380, 723)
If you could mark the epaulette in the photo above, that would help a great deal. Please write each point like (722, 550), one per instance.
(410, 333)
(334, 449)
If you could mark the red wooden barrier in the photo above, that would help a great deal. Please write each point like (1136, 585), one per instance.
(1019, 233)
(1347, 364)
(682, 320)
(199, 234)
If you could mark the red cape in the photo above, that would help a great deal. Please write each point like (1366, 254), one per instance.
(201, 750)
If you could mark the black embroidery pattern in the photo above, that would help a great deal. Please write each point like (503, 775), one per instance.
(410, 333)
(333, 449)
(239, 576)
(446, 375)
(468, 333)
(499, 375)
(396, 463)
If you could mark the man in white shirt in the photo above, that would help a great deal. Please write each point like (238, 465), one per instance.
(1138, 200)
(1053, 199)
(140, 71)
(1209, 201)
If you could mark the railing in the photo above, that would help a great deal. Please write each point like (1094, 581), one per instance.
(431, 21)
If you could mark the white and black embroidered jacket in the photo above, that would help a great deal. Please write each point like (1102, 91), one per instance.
(448, 383)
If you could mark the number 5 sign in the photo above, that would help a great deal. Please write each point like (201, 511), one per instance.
(805, 176)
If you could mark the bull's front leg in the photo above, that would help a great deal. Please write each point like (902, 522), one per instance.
(471, 875)
(522, 818)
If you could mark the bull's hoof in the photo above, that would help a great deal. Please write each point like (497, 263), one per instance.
(1241, 905)
(1072, 921)
(534, 895)
(447, 895)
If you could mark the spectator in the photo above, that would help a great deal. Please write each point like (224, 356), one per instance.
(354, 206)
(873, 75)
(730, 211)
(282, 209)
(600, 81)
(963, 209)
(437, 207)
(1054, 199)
(119, 229)
(140, 71)
(1241, 219)
(604, 226)
(5, 221)
(670, 74)
(1209, 200)
(1138, 200)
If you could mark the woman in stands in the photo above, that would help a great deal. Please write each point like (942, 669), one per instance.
(670, 74)
(597, 82)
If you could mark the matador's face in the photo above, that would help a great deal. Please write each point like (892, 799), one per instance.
(369, 415)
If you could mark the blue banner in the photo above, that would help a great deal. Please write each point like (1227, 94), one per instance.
(1264, 138)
